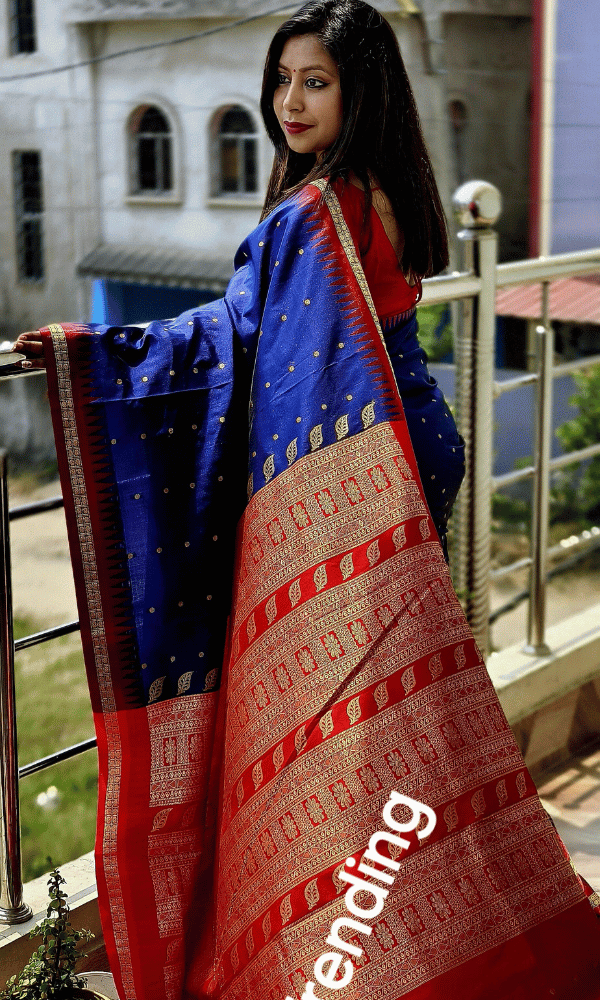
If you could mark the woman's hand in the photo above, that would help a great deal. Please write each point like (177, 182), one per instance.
(30, 344)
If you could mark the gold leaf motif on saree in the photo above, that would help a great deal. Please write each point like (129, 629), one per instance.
(341, 427)
(174, 948)
(269, 468)
(326, 724)
(184, 682)
(451, 817)
(368, 414)
(292, 451)
(320, 578)
(285, 909)
(337, 881)
(373, 554)
(316, 437)
(435, 666)
(353, 710)
(408, 680)
(501, 792)
(399, 537)
(347, 566)
(478, 803)
(300, 740)
(381, 695)
(213, 675)
(156, 689)
(239, 792)
(294, 593)
(311, 893)
(271, 609)
(459, 656)
(160, 819)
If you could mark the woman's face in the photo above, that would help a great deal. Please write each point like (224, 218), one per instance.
(308, 98)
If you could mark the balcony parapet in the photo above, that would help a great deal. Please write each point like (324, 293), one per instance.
(16, 946)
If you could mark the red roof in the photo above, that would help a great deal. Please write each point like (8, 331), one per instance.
(572, 300)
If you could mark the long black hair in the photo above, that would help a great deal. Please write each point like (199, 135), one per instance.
(380, 134)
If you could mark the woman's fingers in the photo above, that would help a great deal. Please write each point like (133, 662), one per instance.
(30, 344)
(33, 363)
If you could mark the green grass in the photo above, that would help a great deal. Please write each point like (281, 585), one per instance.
(53, 712)
(435, 331)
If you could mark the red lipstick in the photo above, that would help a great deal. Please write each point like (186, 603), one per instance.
(294, 128)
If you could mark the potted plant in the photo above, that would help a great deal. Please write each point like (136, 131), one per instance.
(50, 972)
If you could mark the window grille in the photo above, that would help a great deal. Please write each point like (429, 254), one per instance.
(29, 209)
(237, 153)
(152, 152)
(22, 26)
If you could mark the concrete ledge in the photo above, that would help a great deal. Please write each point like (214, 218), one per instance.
(15, 943)
(526, 684)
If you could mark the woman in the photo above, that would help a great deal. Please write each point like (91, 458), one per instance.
(371, 150)
(353, 720)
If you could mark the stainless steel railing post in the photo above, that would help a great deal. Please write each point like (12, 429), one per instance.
(12, 908)
(536, 619)
(478, 206)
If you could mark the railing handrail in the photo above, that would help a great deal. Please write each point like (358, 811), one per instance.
(536, 269)
(37, 507)
(533, 270)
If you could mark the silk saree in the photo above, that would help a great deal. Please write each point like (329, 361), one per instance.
(274, 648)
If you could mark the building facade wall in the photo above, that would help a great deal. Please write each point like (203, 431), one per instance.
(78, 120)
(474, 51)
(488, 61)
(49, 114)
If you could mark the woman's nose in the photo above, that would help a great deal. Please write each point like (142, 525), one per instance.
(293, 98)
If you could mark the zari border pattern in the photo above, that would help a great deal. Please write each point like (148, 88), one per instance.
(345, 238)
(99, 642)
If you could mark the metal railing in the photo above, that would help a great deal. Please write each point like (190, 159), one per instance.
(478, 207)
(13, 910)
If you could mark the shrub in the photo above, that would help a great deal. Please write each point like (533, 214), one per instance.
(50, 972)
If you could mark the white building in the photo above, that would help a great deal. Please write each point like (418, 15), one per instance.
(152, 165)
(145, 164)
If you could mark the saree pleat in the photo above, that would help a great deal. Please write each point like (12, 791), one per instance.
(274, 648)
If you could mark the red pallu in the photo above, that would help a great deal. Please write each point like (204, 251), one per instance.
(226, 817)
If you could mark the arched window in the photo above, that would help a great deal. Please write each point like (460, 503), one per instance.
(457, 113)
(237, 152)
(151, 151)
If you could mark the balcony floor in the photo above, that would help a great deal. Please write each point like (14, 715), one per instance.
(571, 794)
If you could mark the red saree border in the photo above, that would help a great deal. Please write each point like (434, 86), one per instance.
(75, 460)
